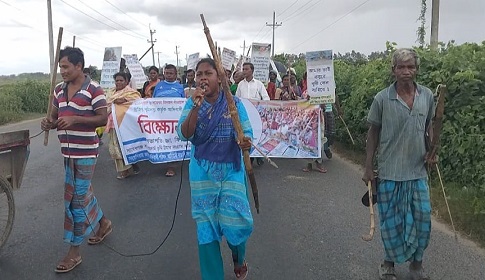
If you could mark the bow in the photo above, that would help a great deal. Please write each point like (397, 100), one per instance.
(340, 115)
(434, 144)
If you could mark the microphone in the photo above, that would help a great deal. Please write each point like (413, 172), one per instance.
(198, 99)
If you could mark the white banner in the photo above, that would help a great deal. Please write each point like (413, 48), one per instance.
(320, 77)
(228, 57)
(260, 55)
(111, 66)
(146, 129)
(136, 70)
(192, 61)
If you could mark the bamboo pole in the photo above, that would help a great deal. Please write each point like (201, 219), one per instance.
(233, 111)
(53, 82)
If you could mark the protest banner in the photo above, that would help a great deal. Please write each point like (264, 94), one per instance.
(192, 61)
(320, 77)
(146, 129)
(136, 70)
(111, 66)
(228, 57)
(260, 55)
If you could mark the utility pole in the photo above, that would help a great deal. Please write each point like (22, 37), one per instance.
(177, 54)
(74, 41)
(158, 57)
(274, 25)
(244, 47)
(151, 41)
(435, 20)
(51, 36)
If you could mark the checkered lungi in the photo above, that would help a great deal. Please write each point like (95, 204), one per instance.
(405, 219)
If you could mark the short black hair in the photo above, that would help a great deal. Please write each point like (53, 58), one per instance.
(285, 76)
(208, 60)
(153, 68)
(171, 66)
(189, 71)
(74, 55)
(250, 65)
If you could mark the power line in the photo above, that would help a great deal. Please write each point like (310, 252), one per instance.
(259, 32)
(288, 8)
(8, 4)
(98, 20)
(264, 36)
(300, 13)
(122, 26)
(25, 25)
(133, 19)
(299, 9)
(331, 24)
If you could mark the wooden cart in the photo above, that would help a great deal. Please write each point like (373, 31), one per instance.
(14, 152)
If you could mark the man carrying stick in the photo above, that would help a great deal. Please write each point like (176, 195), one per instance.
(399, 118)
(79, 106)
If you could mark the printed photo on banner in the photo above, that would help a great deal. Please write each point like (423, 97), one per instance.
(320, 77)
(285, 129)
(111, 66)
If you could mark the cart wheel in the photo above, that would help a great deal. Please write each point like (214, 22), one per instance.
(7, 210)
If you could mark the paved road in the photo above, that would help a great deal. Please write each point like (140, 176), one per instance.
(310, 226)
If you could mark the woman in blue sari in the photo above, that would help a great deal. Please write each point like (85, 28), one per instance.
(219, 192)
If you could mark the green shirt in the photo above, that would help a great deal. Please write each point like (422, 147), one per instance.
(401, 148)
(233, 89)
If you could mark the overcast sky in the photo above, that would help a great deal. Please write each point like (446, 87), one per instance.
(307, 25)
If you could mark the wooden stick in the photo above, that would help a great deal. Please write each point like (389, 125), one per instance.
(370, 236)
(446, 201)
(53, 82)
(233, 111)
(265, 156)
(339, 110)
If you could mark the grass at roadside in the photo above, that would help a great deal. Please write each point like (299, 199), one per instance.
(14, 118)
(465, 203)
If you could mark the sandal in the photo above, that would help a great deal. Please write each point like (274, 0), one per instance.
(320, 168)
(308, 168)
(242, 271)
(170, 173)
(124, 174)
(67, 265)
(96, 239)
(387, 272)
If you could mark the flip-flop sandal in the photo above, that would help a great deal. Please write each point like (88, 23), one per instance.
(308, 168)
(321, 169)
(242, 271)
(96, 239)
(123, 175)
(70, 264)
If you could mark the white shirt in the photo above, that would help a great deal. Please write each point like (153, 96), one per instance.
(253, 89)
